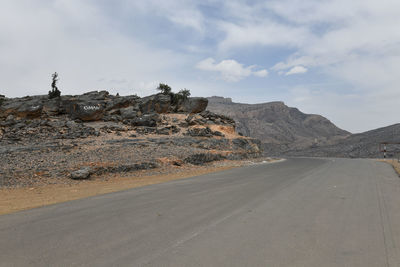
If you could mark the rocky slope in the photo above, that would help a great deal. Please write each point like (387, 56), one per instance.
(48, 140)
(280, 128)
(362, 145)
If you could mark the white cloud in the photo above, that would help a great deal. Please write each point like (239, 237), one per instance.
(353, 42)
(180, 12)
(261, 73)
(230, 70)
(296, 70)
(266, 33)
(79, 42)
(129, 46)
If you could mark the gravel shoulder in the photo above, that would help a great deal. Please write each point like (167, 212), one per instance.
(22, 198)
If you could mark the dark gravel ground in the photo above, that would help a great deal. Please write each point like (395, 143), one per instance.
(49, 163)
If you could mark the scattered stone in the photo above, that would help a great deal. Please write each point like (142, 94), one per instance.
(81, 174)
(145, 130)
(218, 133)
(149, 120)
(10, 118)
(168, 130)
(202, 158)
(127, 168)
(203, 132)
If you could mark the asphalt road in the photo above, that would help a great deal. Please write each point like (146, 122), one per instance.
(300, 212)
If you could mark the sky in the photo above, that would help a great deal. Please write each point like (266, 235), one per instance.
(337, 58)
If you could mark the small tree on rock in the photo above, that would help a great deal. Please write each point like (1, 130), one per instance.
(179, 97)
(185, 93)
(164, 88)
(54, 90)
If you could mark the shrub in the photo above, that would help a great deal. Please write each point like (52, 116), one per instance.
(54, 93)
(164, 88)
(175, 97)
(185, 93)
(54, 90)
(182, 95)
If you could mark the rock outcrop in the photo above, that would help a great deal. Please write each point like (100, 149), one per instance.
(97, 134)
(93, 106)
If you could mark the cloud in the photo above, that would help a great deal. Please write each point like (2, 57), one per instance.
(179, 12)
(129, 46)
(79, 41)
(296, 70)
(265, 33)
(355, 43)
(261, 73)
(230, 70)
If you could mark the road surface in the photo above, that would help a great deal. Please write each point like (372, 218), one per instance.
(300, 212)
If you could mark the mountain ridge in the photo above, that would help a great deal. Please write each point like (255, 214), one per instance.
(286, 131)
(279, 127)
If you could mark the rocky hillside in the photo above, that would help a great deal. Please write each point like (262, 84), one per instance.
(279, 127)
(49, 140)
(363, 145)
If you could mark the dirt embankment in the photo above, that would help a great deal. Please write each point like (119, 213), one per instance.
(22, 198)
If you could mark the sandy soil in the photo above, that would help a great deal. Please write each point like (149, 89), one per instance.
(17, 199)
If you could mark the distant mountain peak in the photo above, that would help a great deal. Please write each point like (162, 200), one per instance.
(220, 99)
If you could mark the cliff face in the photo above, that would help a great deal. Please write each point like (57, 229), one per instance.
(42, 139)
(278, 126)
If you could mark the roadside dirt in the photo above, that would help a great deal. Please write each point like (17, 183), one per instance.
(17, 199)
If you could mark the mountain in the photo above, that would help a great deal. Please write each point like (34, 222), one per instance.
(281, 128)
(362, 145)
(286, 131)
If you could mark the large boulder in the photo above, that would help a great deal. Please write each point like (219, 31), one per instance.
(129, 113)
(88, 111)
(193, 105)
(26, 107)
(52, 107)
(30, 110)
(94, 95)
(158, 103)
(117, 102)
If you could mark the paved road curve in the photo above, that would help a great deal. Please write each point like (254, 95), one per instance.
(300, 212)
